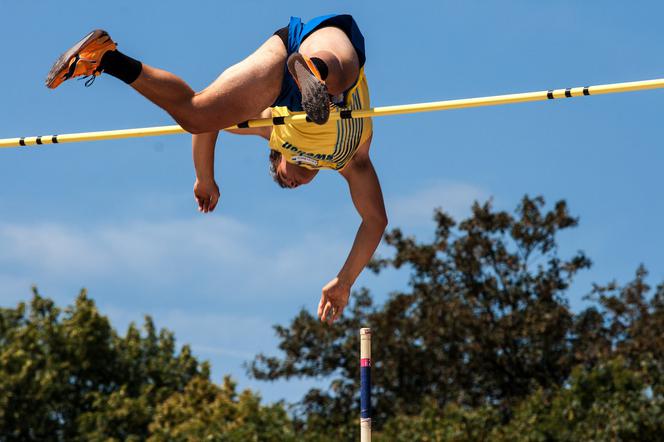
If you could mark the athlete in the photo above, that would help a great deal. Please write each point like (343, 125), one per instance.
(316, 68)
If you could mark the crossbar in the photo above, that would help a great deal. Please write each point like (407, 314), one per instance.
(301, 118)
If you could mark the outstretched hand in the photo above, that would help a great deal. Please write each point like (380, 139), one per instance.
(333, 300)
(206, 193)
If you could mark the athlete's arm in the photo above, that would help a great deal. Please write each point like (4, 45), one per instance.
(368, 200)
(263, 132)
(206, 190)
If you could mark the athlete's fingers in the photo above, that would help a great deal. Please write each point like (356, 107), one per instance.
(326, 310)
(199, 201)
(321, 304)
(330, 318)
(337, 313)
(213, 202)
(206, 205)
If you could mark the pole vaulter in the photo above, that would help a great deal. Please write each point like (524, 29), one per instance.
(304, 76)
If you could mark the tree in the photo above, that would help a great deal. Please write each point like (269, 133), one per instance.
(205, 411)
(631, 324)
(67, 375)
(483, 329)
(481, 346)
(485, 320)
(611, 401)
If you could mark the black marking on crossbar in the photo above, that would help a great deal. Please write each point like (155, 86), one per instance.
(278, 121)
(586, 91)
(54, 139)
(22, 141)
(549, 95)
(38, 140)
(346, 114)
(568, 92)
(243, 125)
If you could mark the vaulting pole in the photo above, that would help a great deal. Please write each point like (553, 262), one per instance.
(300, 118)
(365, 385)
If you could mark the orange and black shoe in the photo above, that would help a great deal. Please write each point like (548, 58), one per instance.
(82, 59)
(315, 98)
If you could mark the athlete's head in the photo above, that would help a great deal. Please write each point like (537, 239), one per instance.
(288, 175)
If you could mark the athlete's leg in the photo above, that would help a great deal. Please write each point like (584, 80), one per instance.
(332, 45)
(326, 64)
(242, 91)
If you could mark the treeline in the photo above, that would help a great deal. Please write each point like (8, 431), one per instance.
(481, 347)
(68, 376)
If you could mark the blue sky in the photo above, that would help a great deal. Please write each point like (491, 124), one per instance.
(119, 218)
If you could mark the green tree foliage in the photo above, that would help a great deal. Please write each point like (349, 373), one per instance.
(67, 375)
(628, 321)
(481, 347)
(205, 411)
(483, 326)
(613, 401)
(610, 402)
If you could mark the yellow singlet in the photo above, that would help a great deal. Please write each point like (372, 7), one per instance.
(328, 146)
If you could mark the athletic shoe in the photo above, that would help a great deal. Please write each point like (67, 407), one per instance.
(315, 99)
(82, 59)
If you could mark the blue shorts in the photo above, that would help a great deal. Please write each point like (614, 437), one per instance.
(290, 95)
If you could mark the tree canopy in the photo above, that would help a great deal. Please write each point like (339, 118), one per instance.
(68, 375)
(481, 346)
(484, 325)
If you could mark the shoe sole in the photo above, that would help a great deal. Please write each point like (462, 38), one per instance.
(315, 98)
(63, 62)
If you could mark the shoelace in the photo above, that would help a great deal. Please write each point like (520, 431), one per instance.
(88, 80)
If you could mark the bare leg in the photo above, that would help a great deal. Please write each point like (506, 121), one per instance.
(242, 91)
(247, 88)
(333, 47)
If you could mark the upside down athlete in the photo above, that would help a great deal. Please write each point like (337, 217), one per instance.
(315, 67)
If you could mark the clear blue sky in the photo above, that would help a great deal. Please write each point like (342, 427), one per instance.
(119, 218)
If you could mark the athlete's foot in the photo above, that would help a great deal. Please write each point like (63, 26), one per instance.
(315, 99)
(82, 59)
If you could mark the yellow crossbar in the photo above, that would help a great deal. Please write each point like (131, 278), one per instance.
(300, 118)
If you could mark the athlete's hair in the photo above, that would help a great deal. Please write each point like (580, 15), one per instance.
(275, 159)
